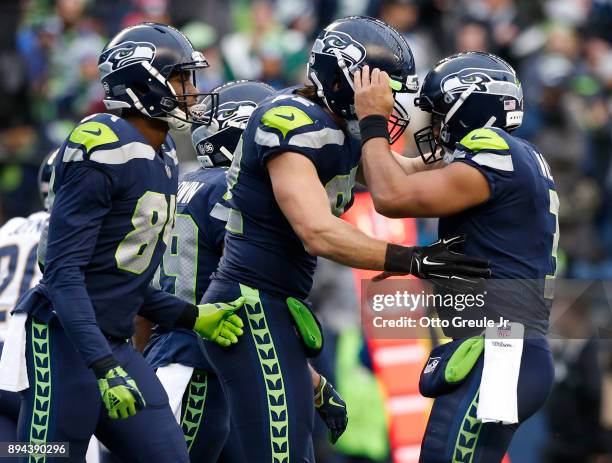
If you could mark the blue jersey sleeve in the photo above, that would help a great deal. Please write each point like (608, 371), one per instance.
(295, 125)
(79, 209)
(488, 152)
(162, 307)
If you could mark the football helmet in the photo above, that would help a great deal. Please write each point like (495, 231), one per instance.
(215, 143)
(464, 92)
(135, 67)
(45, 173)
(347, 45)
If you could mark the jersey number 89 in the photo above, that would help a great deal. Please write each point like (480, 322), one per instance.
(151, 216)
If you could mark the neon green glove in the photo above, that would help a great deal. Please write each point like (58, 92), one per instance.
(217, 322)
(120, 394)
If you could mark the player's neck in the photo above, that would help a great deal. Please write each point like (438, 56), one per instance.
(153, 130)
(341, 122)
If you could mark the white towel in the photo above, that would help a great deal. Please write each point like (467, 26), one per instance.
(175, 378)
(499, 382)
(13, 365)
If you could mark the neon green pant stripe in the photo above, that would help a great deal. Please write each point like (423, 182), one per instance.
(194, 406)
(271, 371)
(467, 438)
(42, 388)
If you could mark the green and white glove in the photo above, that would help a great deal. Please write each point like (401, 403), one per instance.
(218, 322)
(120, 394)
(331, 409)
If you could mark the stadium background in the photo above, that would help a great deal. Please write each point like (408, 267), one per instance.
(562, 52)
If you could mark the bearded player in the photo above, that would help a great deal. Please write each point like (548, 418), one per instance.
(196, 245)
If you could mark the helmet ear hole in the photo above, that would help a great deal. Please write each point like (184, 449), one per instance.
(337, 82)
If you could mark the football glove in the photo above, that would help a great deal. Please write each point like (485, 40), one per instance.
(331, 409)
(445, 267)
(218, 322)
(120, 395)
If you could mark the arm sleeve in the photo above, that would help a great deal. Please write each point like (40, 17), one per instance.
(79, 209)
(162, 308)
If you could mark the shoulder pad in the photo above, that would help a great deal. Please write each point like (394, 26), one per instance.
(484, 139)
(285, 118)
(92, 134)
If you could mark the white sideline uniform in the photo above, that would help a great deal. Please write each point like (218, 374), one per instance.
(18, 263)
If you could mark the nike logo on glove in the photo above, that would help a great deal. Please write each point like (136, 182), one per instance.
(96, 133)
(333, 402)
(426, 261)
(286, 116)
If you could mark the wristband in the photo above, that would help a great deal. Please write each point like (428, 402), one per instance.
(398, 258)
(374, 126)
(187, 318)
(101, 366)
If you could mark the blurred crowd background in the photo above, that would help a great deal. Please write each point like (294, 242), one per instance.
(562, 50)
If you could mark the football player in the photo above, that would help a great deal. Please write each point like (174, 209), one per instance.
(18, 243)
(291, 176)
(195, 247)
(112, 204)
(498, 190)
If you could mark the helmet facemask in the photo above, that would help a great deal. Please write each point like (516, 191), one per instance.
(180, 114)
(433, 148)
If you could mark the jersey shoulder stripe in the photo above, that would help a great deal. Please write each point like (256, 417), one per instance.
(108, 139)
(484, 139)
(486, 147)
(292, 120)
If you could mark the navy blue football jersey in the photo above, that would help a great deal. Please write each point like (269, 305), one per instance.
(196, 243)
(261, 248)
(517, 229)
(112, 206)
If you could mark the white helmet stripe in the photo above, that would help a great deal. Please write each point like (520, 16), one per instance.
(464, 95)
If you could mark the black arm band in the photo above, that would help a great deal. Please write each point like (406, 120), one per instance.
(373, 127)
(187, 318)
(398, 258)
(101, 366)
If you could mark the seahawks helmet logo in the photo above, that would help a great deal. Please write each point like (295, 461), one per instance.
(124, 54)
(339, 42)
(491, 81)
(236, 112)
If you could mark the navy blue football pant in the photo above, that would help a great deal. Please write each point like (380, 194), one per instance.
(453, 434)
(63, 403)
(266, 379)
(9, 413)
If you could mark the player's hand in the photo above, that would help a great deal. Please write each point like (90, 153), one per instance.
(120, 395)
(218, 322)
(447, 268)
(373, 95)
(331, 409)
